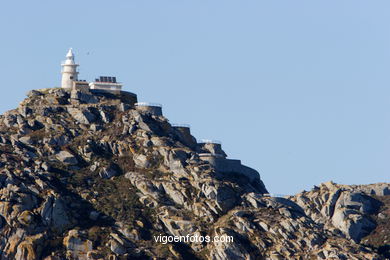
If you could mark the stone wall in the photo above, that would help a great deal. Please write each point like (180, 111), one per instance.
(151, 109)
(224, 165)
(213, 148)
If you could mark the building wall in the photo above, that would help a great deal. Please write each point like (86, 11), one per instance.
(69, 74)
(81, 86)
(224, 165)
(106, 86)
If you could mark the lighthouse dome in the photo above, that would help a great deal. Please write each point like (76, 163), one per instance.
(70, 53)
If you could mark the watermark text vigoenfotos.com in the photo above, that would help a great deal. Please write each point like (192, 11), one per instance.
(164, 239)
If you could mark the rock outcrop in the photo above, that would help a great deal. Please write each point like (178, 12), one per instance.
(87, 176)
(347, 209)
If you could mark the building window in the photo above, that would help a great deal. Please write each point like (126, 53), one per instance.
(71, 77)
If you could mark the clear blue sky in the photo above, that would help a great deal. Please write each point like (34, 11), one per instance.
(299, 90)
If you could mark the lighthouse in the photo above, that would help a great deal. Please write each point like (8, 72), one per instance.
(69, 70)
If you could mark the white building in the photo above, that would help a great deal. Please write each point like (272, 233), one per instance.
(70, 78)
(69, 70)
(106, 84)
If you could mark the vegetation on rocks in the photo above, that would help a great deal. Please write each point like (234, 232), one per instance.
(88, 176)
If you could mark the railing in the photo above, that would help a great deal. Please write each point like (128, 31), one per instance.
(69, 64)
(209, 141)
(211, 155)
(146, 104)
(181, 125)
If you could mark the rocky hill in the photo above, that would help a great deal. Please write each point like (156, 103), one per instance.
(91, 176)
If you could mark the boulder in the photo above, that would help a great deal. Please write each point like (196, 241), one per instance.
(34, 93)
(224, 196)
(351, 214)
(82, 116)
(77, 245)
(141, 161)
(109, 171)
(106, 118)
(83, 97)
(54, 213)
(119, 245)
(31, 248)
(225, 250)
(67, 158)
(26, 140)
(26, 218)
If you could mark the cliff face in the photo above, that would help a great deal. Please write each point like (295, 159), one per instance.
(87, 176)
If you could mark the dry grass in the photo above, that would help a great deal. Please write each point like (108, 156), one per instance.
(380, 237)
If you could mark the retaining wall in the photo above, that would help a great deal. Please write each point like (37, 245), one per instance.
(211, 146)
(151, 108)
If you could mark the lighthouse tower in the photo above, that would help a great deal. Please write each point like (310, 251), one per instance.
(69, 70)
